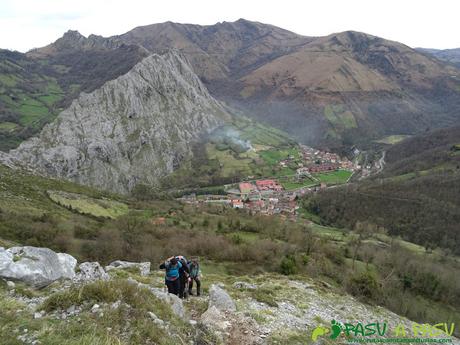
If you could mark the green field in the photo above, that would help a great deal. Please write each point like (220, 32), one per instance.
(339, 117)
(272, 157)
(31, 97)
(329, 232)
(334, 177)
(8, 126)
(231, 164)
(80, 203)
(392, 139)
(237, 151)
(293, 183)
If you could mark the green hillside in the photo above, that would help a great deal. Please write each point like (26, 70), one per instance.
(28, 98)
(231, 244)
(416, 196)
(239, 150)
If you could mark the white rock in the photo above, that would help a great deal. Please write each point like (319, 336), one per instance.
(37, 267)
(152, 315)
(115, 305)
(95, 308)
(215, 319)
(11, 285)
(220, 299)
(175, 302)
(90, 271)
(144, 267)
(244, 285)
(70, 310)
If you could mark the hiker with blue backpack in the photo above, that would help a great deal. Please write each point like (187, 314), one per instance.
(172, 277)
(176, 273)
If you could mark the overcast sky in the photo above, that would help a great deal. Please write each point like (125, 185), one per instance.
(25, 24)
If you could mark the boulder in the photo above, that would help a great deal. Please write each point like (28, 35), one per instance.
(220, 299)
(144, 267)
(175, 302)
(215, 320)
(37, 267)
(244, 286)
(90, 271)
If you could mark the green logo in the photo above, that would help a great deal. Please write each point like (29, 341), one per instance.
(335, 330)
(370, 332)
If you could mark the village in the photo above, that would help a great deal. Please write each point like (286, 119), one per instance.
(310, 168)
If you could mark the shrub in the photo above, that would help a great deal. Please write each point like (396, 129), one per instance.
(364, 285)
(108, 292)
(265, 295)
(288, 265)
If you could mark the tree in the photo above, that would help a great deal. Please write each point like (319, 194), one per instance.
(362, 231)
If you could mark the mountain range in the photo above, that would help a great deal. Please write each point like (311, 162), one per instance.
(451, 56)
(336, 91)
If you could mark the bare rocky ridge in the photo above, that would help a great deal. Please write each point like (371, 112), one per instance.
(134, 129)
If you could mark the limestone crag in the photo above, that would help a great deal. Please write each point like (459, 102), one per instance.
(134, 129)
(37, 267)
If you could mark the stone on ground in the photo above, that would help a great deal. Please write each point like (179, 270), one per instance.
(144, 267)
(37, 267)
(90, 271)
(220, 299)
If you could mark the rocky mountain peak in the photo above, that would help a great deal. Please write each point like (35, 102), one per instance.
(134, 129)
(73, 35)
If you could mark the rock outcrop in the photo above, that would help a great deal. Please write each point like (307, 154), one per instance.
(143, 267)
(133, 130)
(37, 267)
(175, 302)
(90, 271)
(220, 299)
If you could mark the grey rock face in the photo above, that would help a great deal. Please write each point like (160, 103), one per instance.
(214, 319)
(134, 129)
(175, 302)
(220, 299)
(90, 271)
(144, 267)
(37, 267)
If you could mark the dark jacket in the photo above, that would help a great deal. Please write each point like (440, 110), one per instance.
(194, 270)
(172, 271)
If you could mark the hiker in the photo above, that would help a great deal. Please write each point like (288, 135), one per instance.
(172, 277)
(183, 275)
(194, 268)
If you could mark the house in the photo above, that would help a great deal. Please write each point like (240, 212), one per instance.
(236, 203)
(265, 185)
(302, 172)
(254, 196)
(323, 167)
(245, 187)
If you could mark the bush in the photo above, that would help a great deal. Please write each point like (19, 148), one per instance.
(288, 265)
(265, 295)
(364, 285)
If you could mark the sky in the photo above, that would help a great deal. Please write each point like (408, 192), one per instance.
(27, 24)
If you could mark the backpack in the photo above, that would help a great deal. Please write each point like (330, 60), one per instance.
(172, 271)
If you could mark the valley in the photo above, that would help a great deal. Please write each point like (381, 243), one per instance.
(315, 179)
